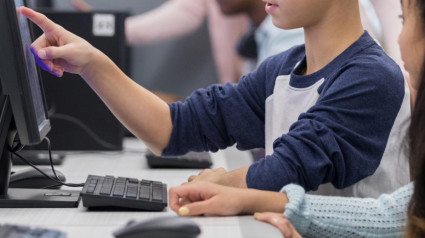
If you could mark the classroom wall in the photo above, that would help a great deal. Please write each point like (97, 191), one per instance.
(178, 66)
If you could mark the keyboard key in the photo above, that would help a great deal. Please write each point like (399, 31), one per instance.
(107, 185)
(119, 190)
(131, 190)
(93, 181)
(132, 180)
(157, 193)
(91, 188)
(145, 191)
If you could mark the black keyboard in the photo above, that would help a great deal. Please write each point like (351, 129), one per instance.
(191, 160)
(19, 231)
(111, 193)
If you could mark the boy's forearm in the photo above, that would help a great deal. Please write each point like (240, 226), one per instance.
(235, 178)
(142, 112)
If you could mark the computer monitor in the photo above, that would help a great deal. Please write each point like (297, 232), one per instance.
(23, 114)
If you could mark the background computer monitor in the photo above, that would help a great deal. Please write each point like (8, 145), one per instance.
(84, 122)
(23, 114)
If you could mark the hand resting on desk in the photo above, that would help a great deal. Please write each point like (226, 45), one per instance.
(203, 198)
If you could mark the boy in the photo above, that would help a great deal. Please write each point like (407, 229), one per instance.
(324, 111)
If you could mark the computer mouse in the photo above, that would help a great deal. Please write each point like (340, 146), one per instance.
(31, 178)
(160, 227)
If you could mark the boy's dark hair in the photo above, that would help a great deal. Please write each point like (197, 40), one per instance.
(416, 226)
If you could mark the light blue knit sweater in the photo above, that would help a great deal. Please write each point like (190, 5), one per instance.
(325, 216)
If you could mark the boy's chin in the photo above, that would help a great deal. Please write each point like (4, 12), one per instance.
(285, 25)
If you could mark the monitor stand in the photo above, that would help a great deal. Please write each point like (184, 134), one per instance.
(38, 157)
(34, 198)
(19, 197)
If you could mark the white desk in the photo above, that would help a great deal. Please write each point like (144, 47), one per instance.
(78, 222)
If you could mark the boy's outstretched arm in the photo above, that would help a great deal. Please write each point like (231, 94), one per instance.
(143, 113)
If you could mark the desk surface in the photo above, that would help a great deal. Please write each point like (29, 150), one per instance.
(78, 222)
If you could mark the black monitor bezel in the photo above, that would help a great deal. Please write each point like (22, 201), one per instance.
(29, 131)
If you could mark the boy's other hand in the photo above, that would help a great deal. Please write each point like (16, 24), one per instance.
(235, 178)
(209, 175)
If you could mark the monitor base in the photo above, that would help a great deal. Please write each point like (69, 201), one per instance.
(39, 198)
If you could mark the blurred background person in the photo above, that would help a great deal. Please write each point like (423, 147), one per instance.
(176, 18)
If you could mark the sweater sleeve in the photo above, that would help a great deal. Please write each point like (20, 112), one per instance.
(221, 115)
(326, 216)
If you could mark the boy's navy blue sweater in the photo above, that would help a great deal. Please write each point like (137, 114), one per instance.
(339, 137)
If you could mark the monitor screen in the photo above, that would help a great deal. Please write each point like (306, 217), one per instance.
(30, 65)
(20, 77)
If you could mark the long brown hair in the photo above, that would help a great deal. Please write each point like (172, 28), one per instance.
(416, 212)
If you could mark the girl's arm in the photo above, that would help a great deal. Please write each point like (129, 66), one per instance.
(197, 198)
(327, 216)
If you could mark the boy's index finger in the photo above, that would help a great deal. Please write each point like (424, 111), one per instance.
(39, 19)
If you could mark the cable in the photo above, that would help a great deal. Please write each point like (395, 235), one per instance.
(15, 149)
(49, 149)
(60, 182)
(87, 129)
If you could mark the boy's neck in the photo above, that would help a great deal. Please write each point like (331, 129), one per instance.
(327, 39)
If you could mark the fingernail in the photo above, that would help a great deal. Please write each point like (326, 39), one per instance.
(183, 211)
(42, 54)
(258, 215)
